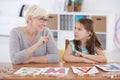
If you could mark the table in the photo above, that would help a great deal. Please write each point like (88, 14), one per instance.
(8, 75)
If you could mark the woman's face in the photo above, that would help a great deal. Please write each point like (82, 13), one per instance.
(80, 33)
(39, 23)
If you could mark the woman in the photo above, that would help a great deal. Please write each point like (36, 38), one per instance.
(33, 42)
(85, 47)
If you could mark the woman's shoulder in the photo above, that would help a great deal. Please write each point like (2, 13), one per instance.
(16, 29)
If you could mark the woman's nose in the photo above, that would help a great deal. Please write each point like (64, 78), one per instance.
(43, 23)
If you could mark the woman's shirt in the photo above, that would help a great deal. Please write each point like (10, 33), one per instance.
(83, 49)
(19, 42)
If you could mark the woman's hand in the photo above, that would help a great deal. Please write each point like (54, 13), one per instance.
(27, 61)
(43, 40)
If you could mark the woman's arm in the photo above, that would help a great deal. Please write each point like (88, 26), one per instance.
(100, 57)
(52, 50)
(17, 53)
(29, 51)
(39, 59)
(68, 57)
(52, 55)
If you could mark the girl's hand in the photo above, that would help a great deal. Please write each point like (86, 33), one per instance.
(90, 61)
(78, 54)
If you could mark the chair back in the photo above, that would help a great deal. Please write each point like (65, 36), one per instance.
(66, 44)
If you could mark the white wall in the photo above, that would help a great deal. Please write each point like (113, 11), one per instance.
(4, 49)
(110, 6)
(88, 6)
(12, 7)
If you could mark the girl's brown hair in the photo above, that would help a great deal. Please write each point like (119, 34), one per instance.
(93, 41)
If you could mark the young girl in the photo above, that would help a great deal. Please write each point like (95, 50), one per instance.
(86, 46)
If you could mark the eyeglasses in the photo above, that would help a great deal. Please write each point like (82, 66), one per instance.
(42, 19)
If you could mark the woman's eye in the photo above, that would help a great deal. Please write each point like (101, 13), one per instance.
(79, 29)
(40, 18)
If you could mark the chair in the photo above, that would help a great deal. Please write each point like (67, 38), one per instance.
(66, 44)
(62, 51)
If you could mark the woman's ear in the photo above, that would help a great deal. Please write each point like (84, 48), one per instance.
(29, 20)
(29, 17)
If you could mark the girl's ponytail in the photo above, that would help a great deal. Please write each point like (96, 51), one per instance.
(93, 42)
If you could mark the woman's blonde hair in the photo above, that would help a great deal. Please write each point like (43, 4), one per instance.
(36, 11)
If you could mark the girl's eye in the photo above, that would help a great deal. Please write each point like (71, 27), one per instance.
(75, 27)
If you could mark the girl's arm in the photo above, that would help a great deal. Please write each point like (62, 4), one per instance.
(100, 57)
(68, 57)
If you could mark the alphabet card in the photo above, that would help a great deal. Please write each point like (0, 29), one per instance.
(109, 67)
(55, 71)
(85, 70)
(24, 71)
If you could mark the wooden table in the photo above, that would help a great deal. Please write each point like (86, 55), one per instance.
(70, 76)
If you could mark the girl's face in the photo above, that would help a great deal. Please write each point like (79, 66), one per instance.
(80, 33)
(38, 23)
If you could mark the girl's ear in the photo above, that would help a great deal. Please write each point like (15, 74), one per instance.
(89, 33)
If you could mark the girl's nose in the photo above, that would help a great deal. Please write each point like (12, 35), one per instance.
(75, 31)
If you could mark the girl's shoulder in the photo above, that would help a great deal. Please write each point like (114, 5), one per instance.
(71, 42)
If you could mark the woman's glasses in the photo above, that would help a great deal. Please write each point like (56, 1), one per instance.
(42, 19)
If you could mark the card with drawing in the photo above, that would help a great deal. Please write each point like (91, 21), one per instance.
(85, 70)
(109, 67)
(55, 71)
(24, 71)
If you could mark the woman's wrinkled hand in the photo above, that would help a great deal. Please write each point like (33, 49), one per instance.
(43, 40)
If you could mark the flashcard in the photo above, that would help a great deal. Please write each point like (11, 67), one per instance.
(85, 70)
(109, 67)
(55, 71)
(28, 71)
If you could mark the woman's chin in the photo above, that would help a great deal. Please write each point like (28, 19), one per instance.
(41, 29)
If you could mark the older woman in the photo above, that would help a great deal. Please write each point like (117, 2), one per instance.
(33, 42)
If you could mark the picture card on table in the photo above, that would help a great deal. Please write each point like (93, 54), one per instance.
(84, 70)
(109, 67)
(55, 71)
(24, 71)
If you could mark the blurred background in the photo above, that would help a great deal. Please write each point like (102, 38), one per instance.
(12, 15)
